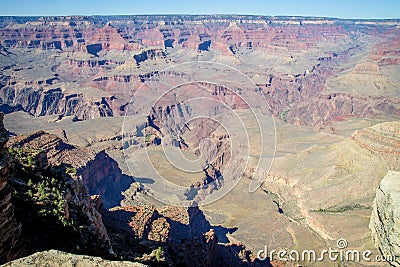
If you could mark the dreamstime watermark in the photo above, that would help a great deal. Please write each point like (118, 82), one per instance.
(341, 253)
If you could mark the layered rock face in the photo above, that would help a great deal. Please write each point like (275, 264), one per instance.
(52, 203)
(39, 102)
(98, 62)
(10, 228)
(385, 219)
(223, 33)
(339, 106)
(381, 138)
(89, 67)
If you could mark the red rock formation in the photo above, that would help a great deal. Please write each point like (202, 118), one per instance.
(181, 231)
(387, 51)
(148, 37)
(109, 38)
(99, 172)
(250, 34)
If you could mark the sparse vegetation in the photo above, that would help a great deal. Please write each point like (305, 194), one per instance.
(70, 170)
(159, 253)
(284, 115)
(147, 138)
(48, 195)
(45, 191)
(342, 209)
(25, 156)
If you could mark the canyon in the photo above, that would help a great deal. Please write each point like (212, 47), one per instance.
(196, 140)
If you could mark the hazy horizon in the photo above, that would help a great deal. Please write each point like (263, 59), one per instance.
(341, 9)
(187, 14)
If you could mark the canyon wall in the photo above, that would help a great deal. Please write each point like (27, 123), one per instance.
(91, 66)
(39, 102)
(10, 228)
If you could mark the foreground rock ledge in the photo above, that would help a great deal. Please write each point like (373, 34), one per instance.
(59, 258)
(385, 219)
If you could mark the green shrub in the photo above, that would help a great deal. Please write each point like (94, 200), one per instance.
(70, 170)
(159, 253)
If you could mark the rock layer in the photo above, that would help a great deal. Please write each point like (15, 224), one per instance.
(94, 64)
(382, 138)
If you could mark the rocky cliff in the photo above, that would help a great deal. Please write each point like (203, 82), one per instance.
(10, 228)
(47, 206)
(94, 169)
(324, 109)
(385, 219)
(40, 102)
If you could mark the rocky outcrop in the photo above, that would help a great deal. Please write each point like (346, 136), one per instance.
(385, 219)
(102, 175)
(95, 169)
(380, 138)
(52, 204)
(59, 258)
(148, 54)
(10, 228)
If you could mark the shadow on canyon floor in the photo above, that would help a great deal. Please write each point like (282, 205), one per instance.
(185, 244)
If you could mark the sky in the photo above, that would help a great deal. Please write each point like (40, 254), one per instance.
(366, 9)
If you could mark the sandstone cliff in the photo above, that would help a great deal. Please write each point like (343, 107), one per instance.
(385, 219)
(38, 101)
